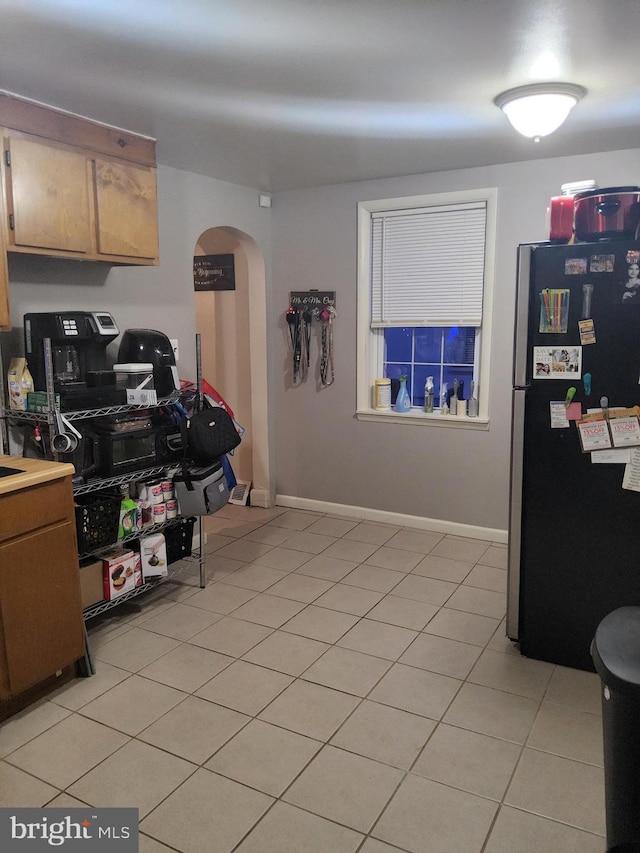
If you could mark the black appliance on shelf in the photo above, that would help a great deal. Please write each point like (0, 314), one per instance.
(152, 347)
(130, 442)
(79, 341)
(574, 537)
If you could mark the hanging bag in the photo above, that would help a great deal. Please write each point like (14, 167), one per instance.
(210, 433)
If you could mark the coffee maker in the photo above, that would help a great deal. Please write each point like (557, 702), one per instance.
(78, 354)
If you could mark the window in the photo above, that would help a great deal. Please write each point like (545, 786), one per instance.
(446, 353)
(425, 276)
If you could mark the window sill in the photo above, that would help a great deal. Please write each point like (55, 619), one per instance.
(423, 419)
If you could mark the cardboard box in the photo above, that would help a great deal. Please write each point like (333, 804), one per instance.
(91, 587)
(153, 554)
(137, 569)
(119, 573)
(37, 401)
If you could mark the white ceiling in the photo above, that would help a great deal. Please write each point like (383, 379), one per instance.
(285, 94)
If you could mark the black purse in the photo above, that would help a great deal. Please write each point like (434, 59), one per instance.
(210, 433)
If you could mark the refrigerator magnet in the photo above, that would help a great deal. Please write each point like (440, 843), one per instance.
(557, 363)
(602, 263)
(632, 284)
(554, 310)
(587, 332)
(575, 266)
(594, 435)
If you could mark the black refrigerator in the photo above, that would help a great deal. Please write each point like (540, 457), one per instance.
(574, 518)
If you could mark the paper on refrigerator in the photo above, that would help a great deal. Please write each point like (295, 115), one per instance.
(631, 478)
(557, 363)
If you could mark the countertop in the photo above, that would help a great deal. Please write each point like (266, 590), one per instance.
(32, 472)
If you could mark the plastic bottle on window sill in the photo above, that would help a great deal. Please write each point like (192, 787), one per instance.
(428, 395)
(444, 405)
(403, 401)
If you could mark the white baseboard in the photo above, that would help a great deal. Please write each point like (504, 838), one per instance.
(262, 498)
(437, 525)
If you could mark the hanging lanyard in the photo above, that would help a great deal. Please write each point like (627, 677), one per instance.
(326, 360)
(305, 318)
(296, 343)
(299, 323)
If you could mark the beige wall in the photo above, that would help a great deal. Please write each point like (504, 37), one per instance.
(323, 453)
(163, 297)
(222, 319)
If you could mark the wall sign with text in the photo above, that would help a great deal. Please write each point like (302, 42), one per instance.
(214, 272)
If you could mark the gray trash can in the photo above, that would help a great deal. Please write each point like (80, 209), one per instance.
(616, 656)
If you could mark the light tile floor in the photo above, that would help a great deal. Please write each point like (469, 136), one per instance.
(338, 686)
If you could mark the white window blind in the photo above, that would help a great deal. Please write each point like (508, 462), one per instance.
(427, 266)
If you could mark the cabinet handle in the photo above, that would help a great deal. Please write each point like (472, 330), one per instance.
(11, 222)
(7, 157)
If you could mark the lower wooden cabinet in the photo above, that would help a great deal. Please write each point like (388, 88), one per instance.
(41, 626)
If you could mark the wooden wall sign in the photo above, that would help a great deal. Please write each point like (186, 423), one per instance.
(214, 272)
(312, 299)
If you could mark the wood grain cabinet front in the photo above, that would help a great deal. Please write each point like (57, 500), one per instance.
(49, 197)
(41, 625)
(71, 203)
(126, 209)
(5, 314)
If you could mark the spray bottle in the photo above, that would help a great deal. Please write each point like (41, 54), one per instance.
(428, 395)
(444, 394)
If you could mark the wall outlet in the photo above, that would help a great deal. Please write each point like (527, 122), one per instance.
(174, 346)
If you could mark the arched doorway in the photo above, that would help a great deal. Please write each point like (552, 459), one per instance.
(232, 326)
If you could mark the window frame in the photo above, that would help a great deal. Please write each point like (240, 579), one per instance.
(370, 342)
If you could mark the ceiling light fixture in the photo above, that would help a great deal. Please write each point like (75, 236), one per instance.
(540, 108)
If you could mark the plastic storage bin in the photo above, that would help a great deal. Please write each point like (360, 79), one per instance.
(616, 656)
(97, 519)
(179, 539)
(134, 375)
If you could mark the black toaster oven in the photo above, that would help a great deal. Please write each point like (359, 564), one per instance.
(121, 452)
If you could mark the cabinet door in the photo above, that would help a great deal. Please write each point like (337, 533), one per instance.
(49, 193)
(40, 608)
(126, 210)
(5, 318)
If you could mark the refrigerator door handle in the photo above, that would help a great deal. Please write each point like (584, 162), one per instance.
(515, 514)
(522, 316)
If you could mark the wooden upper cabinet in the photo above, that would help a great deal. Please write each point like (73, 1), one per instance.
(50, 194)
(76, 188)
(5, 315)
(126, 209)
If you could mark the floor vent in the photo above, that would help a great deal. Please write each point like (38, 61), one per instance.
(240, 493)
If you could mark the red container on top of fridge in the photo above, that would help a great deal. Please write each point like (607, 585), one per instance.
(561, 219)
(561, 210)
(607, 213)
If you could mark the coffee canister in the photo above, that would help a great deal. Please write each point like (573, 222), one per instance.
(167, 489)
(155, 493)
(172, 508)
(159, 513)
(382, 395)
